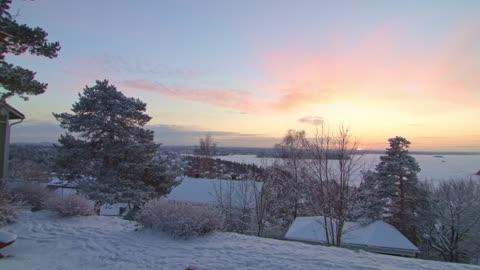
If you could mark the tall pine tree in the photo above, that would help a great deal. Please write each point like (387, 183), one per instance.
(369, 204)
(107, 149)
(399, 187)
(17, 39)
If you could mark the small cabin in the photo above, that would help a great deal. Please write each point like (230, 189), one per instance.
(217, 192)
(378, 236)
(115, 209)
(7, 114)
(62, 187)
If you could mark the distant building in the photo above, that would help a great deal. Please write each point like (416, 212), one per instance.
(378, 237)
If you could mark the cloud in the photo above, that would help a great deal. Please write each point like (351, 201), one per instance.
(312, 120)
(183, 135)
(36, 132)
(32, 131)
(104, 66)
(227, 98)
(385, 66)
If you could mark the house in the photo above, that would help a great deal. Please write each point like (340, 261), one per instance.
(7, 113)
(217, 192)
(378, 236)
(115, 209)
(62, 187)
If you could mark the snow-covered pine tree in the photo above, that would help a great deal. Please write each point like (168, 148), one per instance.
(370, 205)
(107, 147)
(399, 186)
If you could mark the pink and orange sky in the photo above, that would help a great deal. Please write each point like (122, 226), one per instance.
(246, 71)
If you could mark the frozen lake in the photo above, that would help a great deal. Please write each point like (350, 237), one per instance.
(433, 168)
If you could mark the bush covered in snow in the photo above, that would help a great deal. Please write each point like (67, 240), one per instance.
(182, 220)
(8, 209)
(34, 194)
(72, 205)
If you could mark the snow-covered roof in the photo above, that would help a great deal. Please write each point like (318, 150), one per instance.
(232, 193)
(115, 209)
(56, 182)
(65, 191)
(6, 237)
(377, 235)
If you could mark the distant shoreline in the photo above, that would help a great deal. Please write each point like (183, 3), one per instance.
(226, 150)
(269, 151)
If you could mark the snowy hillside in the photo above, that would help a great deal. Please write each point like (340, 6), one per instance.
(48, 242)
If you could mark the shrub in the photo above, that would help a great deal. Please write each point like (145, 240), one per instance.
(182, 220)
(72, 205)
(8, 209)
(34, 194)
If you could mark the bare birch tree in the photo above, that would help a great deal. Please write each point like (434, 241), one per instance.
(237, 199)
(332, 168)
(203, 163)
(290, 174)
(455, 226)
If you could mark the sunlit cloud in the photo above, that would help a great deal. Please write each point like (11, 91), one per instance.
(383, 66)
(104, 66)
(227, 98)
(49, 132)
(312, 120)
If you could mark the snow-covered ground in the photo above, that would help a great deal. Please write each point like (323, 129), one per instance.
(46, 241)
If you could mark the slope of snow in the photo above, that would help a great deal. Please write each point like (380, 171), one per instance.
(46, 241)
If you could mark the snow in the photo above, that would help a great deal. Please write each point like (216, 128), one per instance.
(378, 235)
(211, 191)
(49, 242)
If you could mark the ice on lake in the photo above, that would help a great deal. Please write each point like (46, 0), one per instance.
(433, 167)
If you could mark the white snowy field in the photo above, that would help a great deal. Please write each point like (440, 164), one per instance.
(48, 242)
(432, 167)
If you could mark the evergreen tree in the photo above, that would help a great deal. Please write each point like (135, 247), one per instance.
(17, 39)
(107, 147)
(370, 205)
(399, 186)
